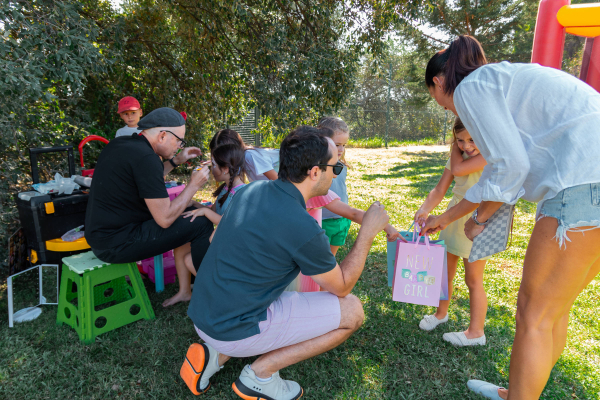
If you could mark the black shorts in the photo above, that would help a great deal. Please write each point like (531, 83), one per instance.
(149, 239)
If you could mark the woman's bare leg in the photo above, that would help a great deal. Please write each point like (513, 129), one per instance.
(552, 279)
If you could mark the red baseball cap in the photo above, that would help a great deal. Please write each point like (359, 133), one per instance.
(127, 104)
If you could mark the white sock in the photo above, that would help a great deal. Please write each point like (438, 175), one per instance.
(263, 380)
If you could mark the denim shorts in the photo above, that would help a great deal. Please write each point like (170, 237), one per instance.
(574, 208)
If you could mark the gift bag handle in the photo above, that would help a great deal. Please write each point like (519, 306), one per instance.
(416, 230)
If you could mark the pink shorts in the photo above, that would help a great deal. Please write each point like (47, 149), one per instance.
(293, 318)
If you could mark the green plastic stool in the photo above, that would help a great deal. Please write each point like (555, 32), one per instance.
(95, 297)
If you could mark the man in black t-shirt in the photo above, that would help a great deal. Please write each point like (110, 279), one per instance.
(129, 215)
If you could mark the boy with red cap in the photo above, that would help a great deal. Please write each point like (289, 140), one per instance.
(130, 112)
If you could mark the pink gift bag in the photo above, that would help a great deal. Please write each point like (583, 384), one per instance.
(418, 273)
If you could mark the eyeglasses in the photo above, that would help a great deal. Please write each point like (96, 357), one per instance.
(337, 168)
(182, 143)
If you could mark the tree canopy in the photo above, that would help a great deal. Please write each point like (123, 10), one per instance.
(64, 64)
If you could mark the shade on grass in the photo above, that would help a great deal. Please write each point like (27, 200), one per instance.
(388, 358)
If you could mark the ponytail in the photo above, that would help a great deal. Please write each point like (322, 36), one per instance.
(463, 56)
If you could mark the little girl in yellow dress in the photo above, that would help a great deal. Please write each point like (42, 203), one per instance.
(464, 168)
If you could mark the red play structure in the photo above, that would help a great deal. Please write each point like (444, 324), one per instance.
(557, 17)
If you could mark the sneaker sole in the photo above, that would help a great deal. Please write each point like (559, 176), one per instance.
(248, 394)
(194, 366)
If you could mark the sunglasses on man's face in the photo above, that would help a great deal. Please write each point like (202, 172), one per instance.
(337, 168)
(182, 143)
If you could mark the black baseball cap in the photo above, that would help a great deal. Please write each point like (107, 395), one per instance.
(161, 117)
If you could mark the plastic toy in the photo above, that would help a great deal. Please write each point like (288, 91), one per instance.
(46, 217)
(24, 282)
(555, 17)
(88, 172)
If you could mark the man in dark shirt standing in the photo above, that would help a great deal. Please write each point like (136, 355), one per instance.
(129, 215)
(265, 238)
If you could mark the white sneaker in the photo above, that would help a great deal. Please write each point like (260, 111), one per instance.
(247, 386)
(460, 339)
(212, 367)
(200, 364)
(430, 322)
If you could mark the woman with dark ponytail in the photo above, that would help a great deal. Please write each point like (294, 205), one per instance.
(538, 129)
(227, 167)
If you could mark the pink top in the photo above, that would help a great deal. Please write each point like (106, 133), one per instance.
(321, 201)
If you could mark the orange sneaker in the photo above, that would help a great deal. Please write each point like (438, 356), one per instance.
(201, 362)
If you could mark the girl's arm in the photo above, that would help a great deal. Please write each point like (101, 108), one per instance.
(340, 208)
(434, 197)
(462, 167)
(205, 211)
(272, 175)
(195, 204)
(355, 215)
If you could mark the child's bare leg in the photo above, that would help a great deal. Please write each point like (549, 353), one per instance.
(334, 249)
(477, 297)
(189, 264)
(183, 274)
(442, 309)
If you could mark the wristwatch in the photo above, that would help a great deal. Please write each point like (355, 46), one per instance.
(477, 222)
(173, 163)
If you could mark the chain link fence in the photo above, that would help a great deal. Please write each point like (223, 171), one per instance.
(412, 124)
(408, 124)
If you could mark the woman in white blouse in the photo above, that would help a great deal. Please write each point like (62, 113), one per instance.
(538, 128)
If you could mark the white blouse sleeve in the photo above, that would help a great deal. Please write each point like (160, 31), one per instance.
(483, 110)
(258, 162)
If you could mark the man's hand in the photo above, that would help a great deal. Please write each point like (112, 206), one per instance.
(187, 154)
(374, 220)
(472, 229)
(199, 177)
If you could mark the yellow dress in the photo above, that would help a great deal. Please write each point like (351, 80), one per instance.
(454, 236)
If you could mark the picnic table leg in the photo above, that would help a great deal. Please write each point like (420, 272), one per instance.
(159, 276)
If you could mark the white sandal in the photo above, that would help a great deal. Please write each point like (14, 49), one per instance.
(485, 389)
(430, 322)
(460, 339)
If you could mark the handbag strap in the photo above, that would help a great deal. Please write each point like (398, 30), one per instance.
(512, 224)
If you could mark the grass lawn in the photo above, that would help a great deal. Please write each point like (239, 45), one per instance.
(388, 358)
